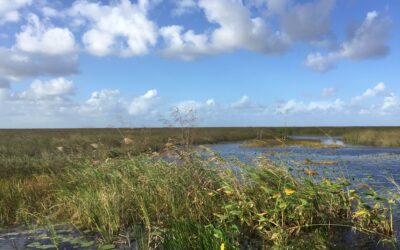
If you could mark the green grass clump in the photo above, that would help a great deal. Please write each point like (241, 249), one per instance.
(191, 203)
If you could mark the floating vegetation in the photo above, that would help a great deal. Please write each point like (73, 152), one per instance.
(310, 172)
(287, 143)
(311, 162)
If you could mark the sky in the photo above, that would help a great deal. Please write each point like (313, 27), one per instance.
(130, 63)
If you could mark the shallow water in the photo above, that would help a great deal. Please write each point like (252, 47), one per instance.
(65, 237)
(374, 166)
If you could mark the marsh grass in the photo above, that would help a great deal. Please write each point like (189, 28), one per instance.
(148, 187)
(34, 151)
(26, 152)
(190, 201)
(374, 137)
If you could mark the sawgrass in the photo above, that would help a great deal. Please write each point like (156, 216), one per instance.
(192, 202)
(374, 137)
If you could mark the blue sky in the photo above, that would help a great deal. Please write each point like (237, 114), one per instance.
(82, 63)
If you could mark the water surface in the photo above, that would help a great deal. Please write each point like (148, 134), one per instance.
(374, 166)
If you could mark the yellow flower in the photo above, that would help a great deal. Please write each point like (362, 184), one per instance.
(289, 191)
(222, 246)
(360, 213)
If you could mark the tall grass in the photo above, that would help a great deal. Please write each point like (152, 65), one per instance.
(35, 151)
(191, 202)
(374, 137)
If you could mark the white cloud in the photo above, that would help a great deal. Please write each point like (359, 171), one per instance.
(49, 98)
(368, 41)
(57, 88)
(371, 92)
(40, 49)
(143, 104)
(187, 45)
(243, 102)
(210, 103)
(49, 12)
(100, 102)
(293, 106)
(328, 92)
(390, 102)
(192, 105)
(236, 30)
(388, 107)
(9, 10)
(121, 28)
(17, 65)
(38, 38)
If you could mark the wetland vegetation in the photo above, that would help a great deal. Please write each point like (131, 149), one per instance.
(151, 188)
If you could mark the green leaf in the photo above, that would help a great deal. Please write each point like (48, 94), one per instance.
(107, 247)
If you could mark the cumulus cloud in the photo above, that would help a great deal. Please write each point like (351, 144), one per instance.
(57, 88)
(391, 102)
(49, 12)
(110, 102)
(143, 104)
(9, 10)
(192, 105)
(371, 92)
(210, 102)
(38, 38)
(368, 41)
(121, 28)
(293, 106)
(236, 30)
(17, 65)
(40, 49)
(43, 98)
(243, 102)
(53, 99)
(100, 102)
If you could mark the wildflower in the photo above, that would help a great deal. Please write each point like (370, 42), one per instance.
(289, 191)
(360, 213)
(222, 246)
